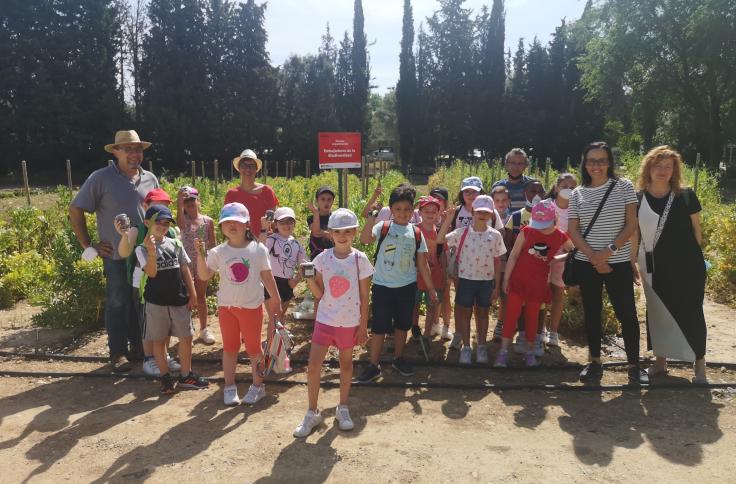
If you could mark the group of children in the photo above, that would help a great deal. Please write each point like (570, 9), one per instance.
(423, 246)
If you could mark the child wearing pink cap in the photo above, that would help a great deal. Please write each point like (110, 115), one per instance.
(195, 225)
(527, 272)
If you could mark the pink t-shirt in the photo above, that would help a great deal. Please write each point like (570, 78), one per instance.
(340, 303)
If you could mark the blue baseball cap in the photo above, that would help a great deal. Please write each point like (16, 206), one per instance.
(472, 182)
(162, 212)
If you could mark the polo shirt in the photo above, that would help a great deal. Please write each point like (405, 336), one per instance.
(108, 192)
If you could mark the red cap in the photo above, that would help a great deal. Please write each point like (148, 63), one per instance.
(424, 201)
(157, 195)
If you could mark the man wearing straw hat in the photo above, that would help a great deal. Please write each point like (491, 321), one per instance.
(115, 189)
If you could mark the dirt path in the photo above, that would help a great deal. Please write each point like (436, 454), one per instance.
(103, 429)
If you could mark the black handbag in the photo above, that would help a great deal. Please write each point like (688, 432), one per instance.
(569, 275)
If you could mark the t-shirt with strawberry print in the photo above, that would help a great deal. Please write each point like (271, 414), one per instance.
(340, 303)
(240, 273)
(477, 253)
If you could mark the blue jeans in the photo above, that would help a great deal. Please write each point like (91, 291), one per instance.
(121, 321)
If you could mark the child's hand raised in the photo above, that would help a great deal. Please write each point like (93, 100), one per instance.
(312, 208)
(150, 244)
(199, 246)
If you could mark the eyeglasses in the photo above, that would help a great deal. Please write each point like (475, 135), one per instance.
(131, 149)
(597, 161)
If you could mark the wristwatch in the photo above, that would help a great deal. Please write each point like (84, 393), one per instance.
(613, 248)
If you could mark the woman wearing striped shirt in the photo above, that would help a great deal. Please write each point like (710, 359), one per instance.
(604, 255)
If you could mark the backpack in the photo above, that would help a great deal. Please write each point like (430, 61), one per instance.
(275, 351)
(384, 232)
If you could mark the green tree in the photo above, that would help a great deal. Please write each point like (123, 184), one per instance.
(406, 90)
(356, 117)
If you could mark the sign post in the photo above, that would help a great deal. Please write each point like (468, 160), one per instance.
(341, 151)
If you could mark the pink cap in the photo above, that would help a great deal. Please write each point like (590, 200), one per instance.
(483, 203)
(424, 201)
(543, 215)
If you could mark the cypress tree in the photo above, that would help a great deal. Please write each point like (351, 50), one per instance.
(406, 90)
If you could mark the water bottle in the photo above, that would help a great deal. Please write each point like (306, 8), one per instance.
(287, 364)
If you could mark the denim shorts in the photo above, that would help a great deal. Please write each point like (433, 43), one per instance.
(469, 293)
(393, 308)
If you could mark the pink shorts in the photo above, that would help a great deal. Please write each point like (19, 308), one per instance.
(339, 337)
(556, 268)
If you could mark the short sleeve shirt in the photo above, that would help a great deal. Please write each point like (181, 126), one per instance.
(108, 192)
(584, 202)
(285, 254)
(340, 303)
(396, 260)
(240, 273)
(516, 191)
(465, 218)
(256, 203)
(167, 288)
(477, 253)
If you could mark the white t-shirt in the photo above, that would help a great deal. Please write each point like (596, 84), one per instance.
(465, 218)
(384, 215)
(584, 202)
(240, 273)
(477, 253)
(340, 303)
(285, 255)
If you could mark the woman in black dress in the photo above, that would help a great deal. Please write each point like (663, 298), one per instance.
(671, 263)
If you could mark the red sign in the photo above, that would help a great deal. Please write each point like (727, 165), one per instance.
(339, 150)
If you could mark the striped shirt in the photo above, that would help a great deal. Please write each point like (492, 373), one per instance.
(611, 221)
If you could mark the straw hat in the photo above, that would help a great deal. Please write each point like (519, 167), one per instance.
(250, 155)
(126, 138)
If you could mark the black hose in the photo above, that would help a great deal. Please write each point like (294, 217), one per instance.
(334, 362)
(492, 387)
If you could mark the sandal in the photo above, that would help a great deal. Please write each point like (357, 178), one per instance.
(655, 370)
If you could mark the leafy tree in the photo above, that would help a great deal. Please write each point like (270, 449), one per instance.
(406, 90)
(491, 80)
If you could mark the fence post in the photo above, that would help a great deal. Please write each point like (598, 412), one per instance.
(232, 168)
(308, 168)
(150, 165)
(265, 171)
(697, 173)
(547, 164)
(194, 171)
(69, 173)
(204, 175)
(217, 172)
(25, 181)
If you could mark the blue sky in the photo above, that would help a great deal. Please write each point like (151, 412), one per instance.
(295, 26)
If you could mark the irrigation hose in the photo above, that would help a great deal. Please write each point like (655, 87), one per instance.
(493, 387)
(334, 362)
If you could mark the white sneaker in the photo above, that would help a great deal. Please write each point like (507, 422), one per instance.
(206, 336)
(436, 330)
(520, 345)
(481, 354)
(544, 336)
(553, 338)
(457, 341)
(150, 368)
(539, 348)
(311, 420)
(173, 364)
(231, 396)
(255, 393)
(342, 414)
(466, 355)
(446, 333)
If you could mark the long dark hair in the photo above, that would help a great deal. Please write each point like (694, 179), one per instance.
(597, 145)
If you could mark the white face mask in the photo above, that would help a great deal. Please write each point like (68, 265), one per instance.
(565, 193)
(536, 200)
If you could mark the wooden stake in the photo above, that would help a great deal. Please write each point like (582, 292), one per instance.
(69, 173)
(232, 171)
(308, 168)
(204, 175)
(194, 171)
(25, 182)
(546, 173)
(150, 165)
(217, 170)
(697, 173)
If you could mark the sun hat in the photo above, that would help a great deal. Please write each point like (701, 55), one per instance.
(424, 201)
(483, 203)
(162, 212)
(324, 189)
(283, 212)
(342, 218)
(129, 137)
(250, 155)
(157, 195)
(234, 211)
(543, 215)
(189, 193)
(440, 193)
(472, 182)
